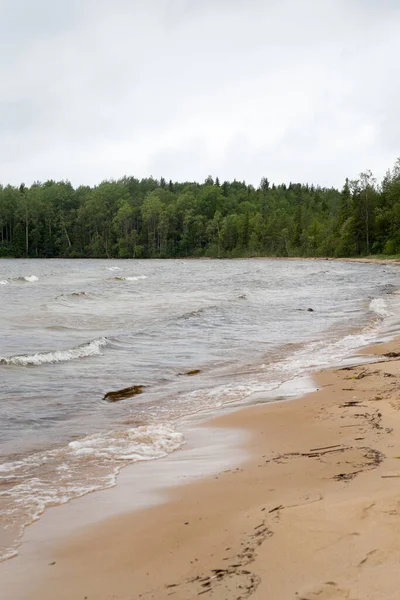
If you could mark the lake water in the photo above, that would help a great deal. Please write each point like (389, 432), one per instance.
(72, 331)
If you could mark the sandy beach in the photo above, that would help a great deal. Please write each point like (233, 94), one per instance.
(199, 300)
(312, 514)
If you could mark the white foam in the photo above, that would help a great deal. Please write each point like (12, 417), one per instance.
(88, 464)
(320, 354)
(24, 360)
(31, 278)
(8, 554)
(138, 278)
(113, 268)
(4, 282)
(139, 443)
(274, 377)
(379, 307)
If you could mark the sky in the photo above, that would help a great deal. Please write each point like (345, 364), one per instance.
(293, 90)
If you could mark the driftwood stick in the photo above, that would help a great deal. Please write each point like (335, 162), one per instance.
(276, 508)
(314, 454)
(325, 448)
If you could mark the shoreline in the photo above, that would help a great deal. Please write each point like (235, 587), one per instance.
(366, 259)
(296, 520)
(262, 397)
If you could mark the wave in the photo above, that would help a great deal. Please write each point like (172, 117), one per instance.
(73, 295)
(293, 362)
(146, 442)
(113, 268)
(379, 307)
(86, 465)
(92, 348)
(213, 308)
(138, 278)
(198, 312)
(28, 278)
(79, 294)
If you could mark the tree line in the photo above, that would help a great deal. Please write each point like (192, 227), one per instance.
(151, 218)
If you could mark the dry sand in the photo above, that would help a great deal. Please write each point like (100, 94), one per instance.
(314, 514)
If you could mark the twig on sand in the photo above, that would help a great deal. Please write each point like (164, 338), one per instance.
(325, 448)
(323, 452)
(307, 501)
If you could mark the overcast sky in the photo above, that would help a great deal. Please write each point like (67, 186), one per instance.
(295, 90)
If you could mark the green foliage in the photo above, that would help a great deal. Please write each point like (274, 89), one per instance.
(132, 218)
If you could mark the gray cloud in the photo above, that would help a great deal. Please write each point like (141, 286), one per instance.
(301, 90)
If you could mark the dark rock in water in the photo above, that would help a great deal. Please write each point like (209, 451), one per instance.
(310, 309)
(118, 395)
(190, 373)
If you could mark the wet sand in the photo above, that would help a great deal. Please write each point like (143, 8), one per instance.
(313, 513)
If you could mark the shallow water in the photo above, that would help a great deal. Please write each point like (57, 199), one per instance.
(71, 331)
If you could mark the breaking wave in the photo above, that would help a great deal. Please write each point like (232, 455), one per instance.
(41, 358)
(4, 282)
(28, 278)
(86, 465)
(146, 442)
(379, 307)
(138, 278)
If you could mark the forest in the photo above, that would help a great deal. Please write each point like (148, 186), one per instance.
(151, 218)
